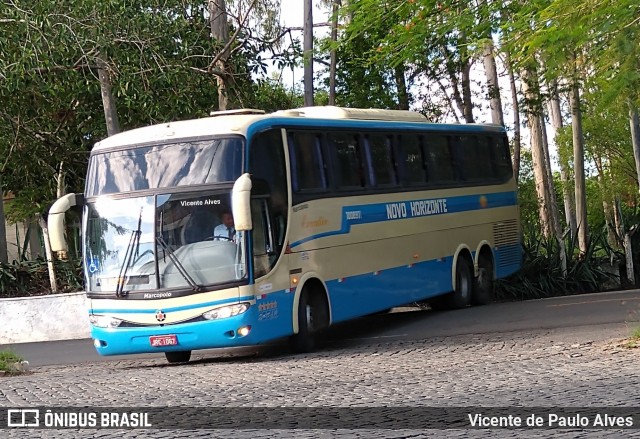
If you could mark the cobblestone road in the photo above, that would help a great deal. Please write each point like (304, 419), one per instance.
(565, 367)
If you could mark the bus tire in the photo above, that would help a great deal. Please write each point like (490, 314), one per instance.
(312, 318)
(483, 285)
(461, 296)
(178, 356)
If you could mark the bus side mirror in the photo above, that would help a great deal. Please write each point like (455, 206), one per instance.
(56, 223)
(241, 203)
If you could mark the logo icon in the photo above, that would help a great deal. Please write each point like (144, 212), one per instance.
(160, 316)
(23, 418)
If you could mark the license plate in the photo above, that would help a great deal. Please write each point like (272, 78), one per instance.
(163, 340)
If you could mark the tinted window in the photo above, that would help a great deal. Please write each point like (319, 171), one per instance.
(501, 159)
(306, 160)
(168, 165)
(349, 168)
(382, 160)
(412, 160)
(266, 164)
(474, 157)
(439, 159)
(268, 175)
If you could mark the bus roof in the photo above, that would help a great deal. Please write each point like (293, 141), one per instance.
(238, 122)
(330, 112)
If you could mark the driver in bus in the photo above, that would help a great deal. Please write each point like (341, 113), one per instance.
(226, 230)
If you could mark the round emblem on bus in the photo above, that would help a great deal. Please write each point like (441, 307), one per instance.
(160, 316)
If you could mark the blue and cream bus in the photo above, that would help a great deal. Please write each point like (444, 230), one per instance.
(338, 213)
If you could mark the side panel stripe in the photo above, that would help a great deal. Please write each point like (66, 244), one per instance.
(381, 212)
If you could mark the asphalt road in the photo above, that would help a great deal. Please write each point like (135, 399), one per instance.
(549, 354)
(404, 324)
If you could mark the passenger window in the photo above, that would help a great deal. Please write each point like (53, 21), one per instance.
(439, 159)
(501, 158)
(306, 160)
(349, 166)
(382, 160)
(475, 158)
(414, 170)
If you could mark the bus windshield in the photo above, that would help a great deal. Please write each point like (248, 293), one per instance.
(166, 165)
(166, 241)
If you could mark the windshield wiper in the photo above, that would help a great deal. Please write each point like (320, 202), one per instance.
(185, 275)
(134, 242)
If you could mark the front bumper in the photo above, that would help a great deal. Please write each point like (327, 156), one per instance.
(190, 336)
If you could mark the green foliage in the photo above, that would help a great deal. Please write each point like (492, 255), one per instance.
(8, 360)
(158, 55)
(364, 79)
(541, 275)
(270, 95)
(31, 278)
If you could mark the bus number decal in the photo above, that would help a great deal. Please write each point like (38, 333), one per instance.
(354, 215)
(268, 311)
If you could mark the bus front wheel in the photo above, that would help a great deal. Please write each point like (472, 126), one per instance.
(178, 356)
(312, 317)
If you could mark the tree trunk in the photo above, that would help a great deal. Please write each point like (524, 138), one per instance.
(553, 204)
(578, 166)
(626, 242)
(334, 38)
(617, 220)
(565, 173)
(48, 254)
(466, 91)
(108, 100)
(607, 204)
(60, 186)
(634, 123)
(349, 17)
(493, 87)
(220, 32)
(516, 118)
(532, 95)
(401, 85)
(4, 254)
(550, 222)
(35, 248)
(308, 53)
(628, 252)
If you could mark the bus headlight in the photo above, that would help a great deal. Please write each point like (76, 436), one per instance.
(104, 321)
(226, 311)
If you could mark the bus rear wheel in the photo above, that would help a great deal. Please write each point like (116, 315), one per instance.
(483, 289)
(312, 318)
(178, 356)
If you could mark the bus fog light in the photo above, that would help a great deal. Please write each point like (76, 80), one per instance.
(226, 311)
(244, 331)
(104, 321)
(97, 343)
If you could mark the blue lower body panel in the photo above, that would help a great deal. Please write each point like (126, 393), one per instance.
(269, 319)
(368, 293)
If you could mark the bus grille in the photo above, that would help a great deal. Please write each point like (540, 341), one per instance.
(506, 240)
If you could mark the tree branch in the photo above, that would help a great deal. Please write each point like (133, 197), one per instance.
(226, 47)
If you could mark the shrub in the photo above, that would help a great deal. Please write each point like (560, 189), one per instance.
(31, 278)
(541, 273)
